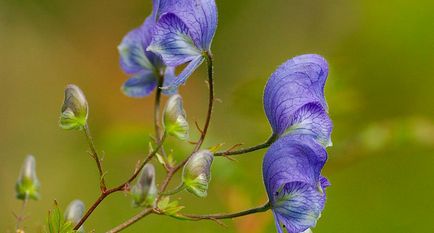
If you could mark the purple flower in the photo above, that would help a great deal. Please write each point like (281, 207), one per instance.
(183, 33)
(297, 111)
(296, 190)
(144, 66)
(294, 99)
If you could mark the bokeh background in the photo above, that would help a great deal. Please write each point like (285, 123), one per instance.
(380, 92)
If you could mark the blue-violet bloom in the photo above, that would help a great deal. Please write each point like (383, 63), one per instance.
(294, 99)
(297, 111)
(144, 66)
(183, 33)
(295, 188)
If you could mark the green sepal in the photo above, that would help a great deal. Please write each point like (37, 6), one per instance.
(198, 186)
(175, 118)
(27, 189)
(69, 121)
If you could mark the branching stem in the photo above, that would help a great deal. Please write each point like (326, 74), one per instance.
(131, 221)
(120, 187)
(266, 144)
(192, 217)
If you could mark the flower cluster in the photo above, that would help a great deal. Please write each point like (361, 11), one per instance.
(180, 32)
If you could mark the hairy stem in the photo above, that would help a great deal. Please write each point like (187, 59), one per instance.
(21, 216)
(192, 217)
(266, 144)
(131, 221)
(95, 156)
(120, 187)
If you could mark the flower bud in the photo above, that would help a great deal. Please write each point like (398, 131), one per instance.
(175, 119)
(27, 186)
(145, 191)
(74, 109)
(74, 212)
(196, 173)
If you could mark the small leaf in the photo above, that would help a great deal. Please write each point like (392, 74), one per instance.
(216, 148)
(162, 204)
(56, 223)
(169, 208)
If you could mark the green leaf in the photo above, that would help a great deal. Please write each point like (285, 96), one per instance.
(56, 223)
(169, 208)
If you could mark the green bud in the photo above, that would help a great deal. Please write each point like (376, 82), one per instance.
(74, 212)
(145, 191)
(175, 119)
(197, 173)
(74, 109)
(27, 186)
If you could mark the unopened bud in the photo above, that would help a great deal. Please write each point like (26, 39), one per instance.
(74, 109)
(175, 118)
(197, 173)
(27, 186)
(145, 191)
(74, 212)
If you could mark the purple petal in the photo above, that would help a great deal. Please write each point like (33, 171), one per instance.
(140, 85)
(291, 173)
(133, 55)
(311, 120)
(297, 82)
(172, 41)
(297, 207)
(322, 186)
(199, 15)
(188, 70)
(291, 159)
(169, 79)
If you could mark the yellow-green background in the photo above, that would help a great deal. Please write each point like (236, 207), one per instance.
(380, 92)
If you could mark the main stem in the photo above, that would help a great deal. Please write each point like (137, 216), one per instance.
(120, 187)
(266, 144)
(95, 156)
(192, 217)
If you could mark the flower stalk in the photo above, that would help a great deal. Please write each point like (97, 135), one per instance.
(95, 156)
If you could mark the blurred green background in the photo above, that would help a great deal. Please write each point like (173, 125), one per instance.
(380, 92)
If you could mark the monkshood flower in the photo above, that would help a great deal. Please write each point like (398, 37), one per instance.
(295, 188)
(196, 174)
(74, 109)
(294, 99)
(74, 212)
(183, 33)
(145, 191)
(175, 119)
(27, 186)
(144, 66)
